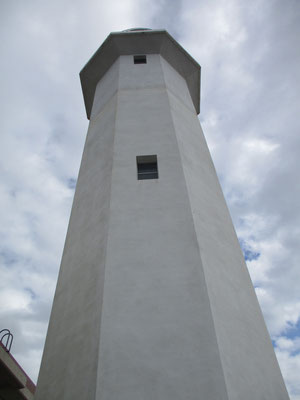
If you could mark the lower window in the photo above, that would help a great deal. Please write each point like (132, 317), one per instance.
(147, 167)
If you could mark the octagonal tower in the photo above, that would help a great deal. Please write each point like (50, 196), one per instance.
(153, 300)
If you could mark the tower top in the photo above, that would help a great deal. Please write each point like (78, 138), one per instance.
(139, 41)
(137, 29)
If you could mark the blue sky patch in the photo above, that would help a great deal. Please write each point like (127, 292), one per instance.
(72, 183)
(249, 253)
(31, 292)
(9, 258)
(294, 331)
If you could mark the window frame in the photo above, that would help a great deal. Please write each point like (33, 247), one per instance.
(139, 59)
(147, 167)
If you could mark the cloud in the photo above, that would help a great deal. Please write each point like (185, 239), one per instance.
(249, 113)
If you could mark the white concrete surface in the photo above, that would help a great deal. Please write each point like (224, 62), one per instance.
(153, 300)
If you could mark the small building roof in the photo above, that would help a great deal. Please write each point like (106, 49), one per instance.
(139, 41)
(14, 382)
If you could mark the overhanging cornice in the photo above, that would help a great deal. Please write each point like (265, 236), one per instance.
(139, 42)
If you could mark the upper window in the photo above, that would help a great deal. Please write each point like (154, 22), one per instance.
(147, 167)
(141, 59)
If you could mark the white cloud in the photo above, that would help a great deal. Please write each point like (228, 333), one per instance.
(11, 300)
(249, 112)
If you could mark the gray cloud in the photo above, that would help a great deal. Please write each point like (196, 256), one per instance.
(249, 53)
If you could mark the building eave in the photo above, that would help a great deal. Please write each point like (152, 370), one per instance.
(139, 42)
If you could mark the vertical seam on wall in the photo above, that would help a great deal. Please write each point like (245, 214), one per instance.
(198, 246)
(97, 386)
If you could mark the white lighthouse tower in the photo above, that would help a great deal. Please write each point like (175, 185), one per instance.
(153, 300)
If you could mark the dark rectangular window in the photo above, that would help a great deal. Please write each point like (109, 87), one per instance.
(140, 59)
(147, 167)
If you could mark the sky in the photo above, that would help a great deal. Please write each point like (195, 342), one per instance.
(249, 52)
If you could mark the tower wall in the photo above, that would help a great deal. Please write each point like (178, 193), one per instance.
(248, 360)
(157, 334)
(153, 299)
(70, 360)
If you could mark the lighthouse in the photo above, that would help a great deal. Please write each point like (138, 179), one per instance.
(153, 300)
